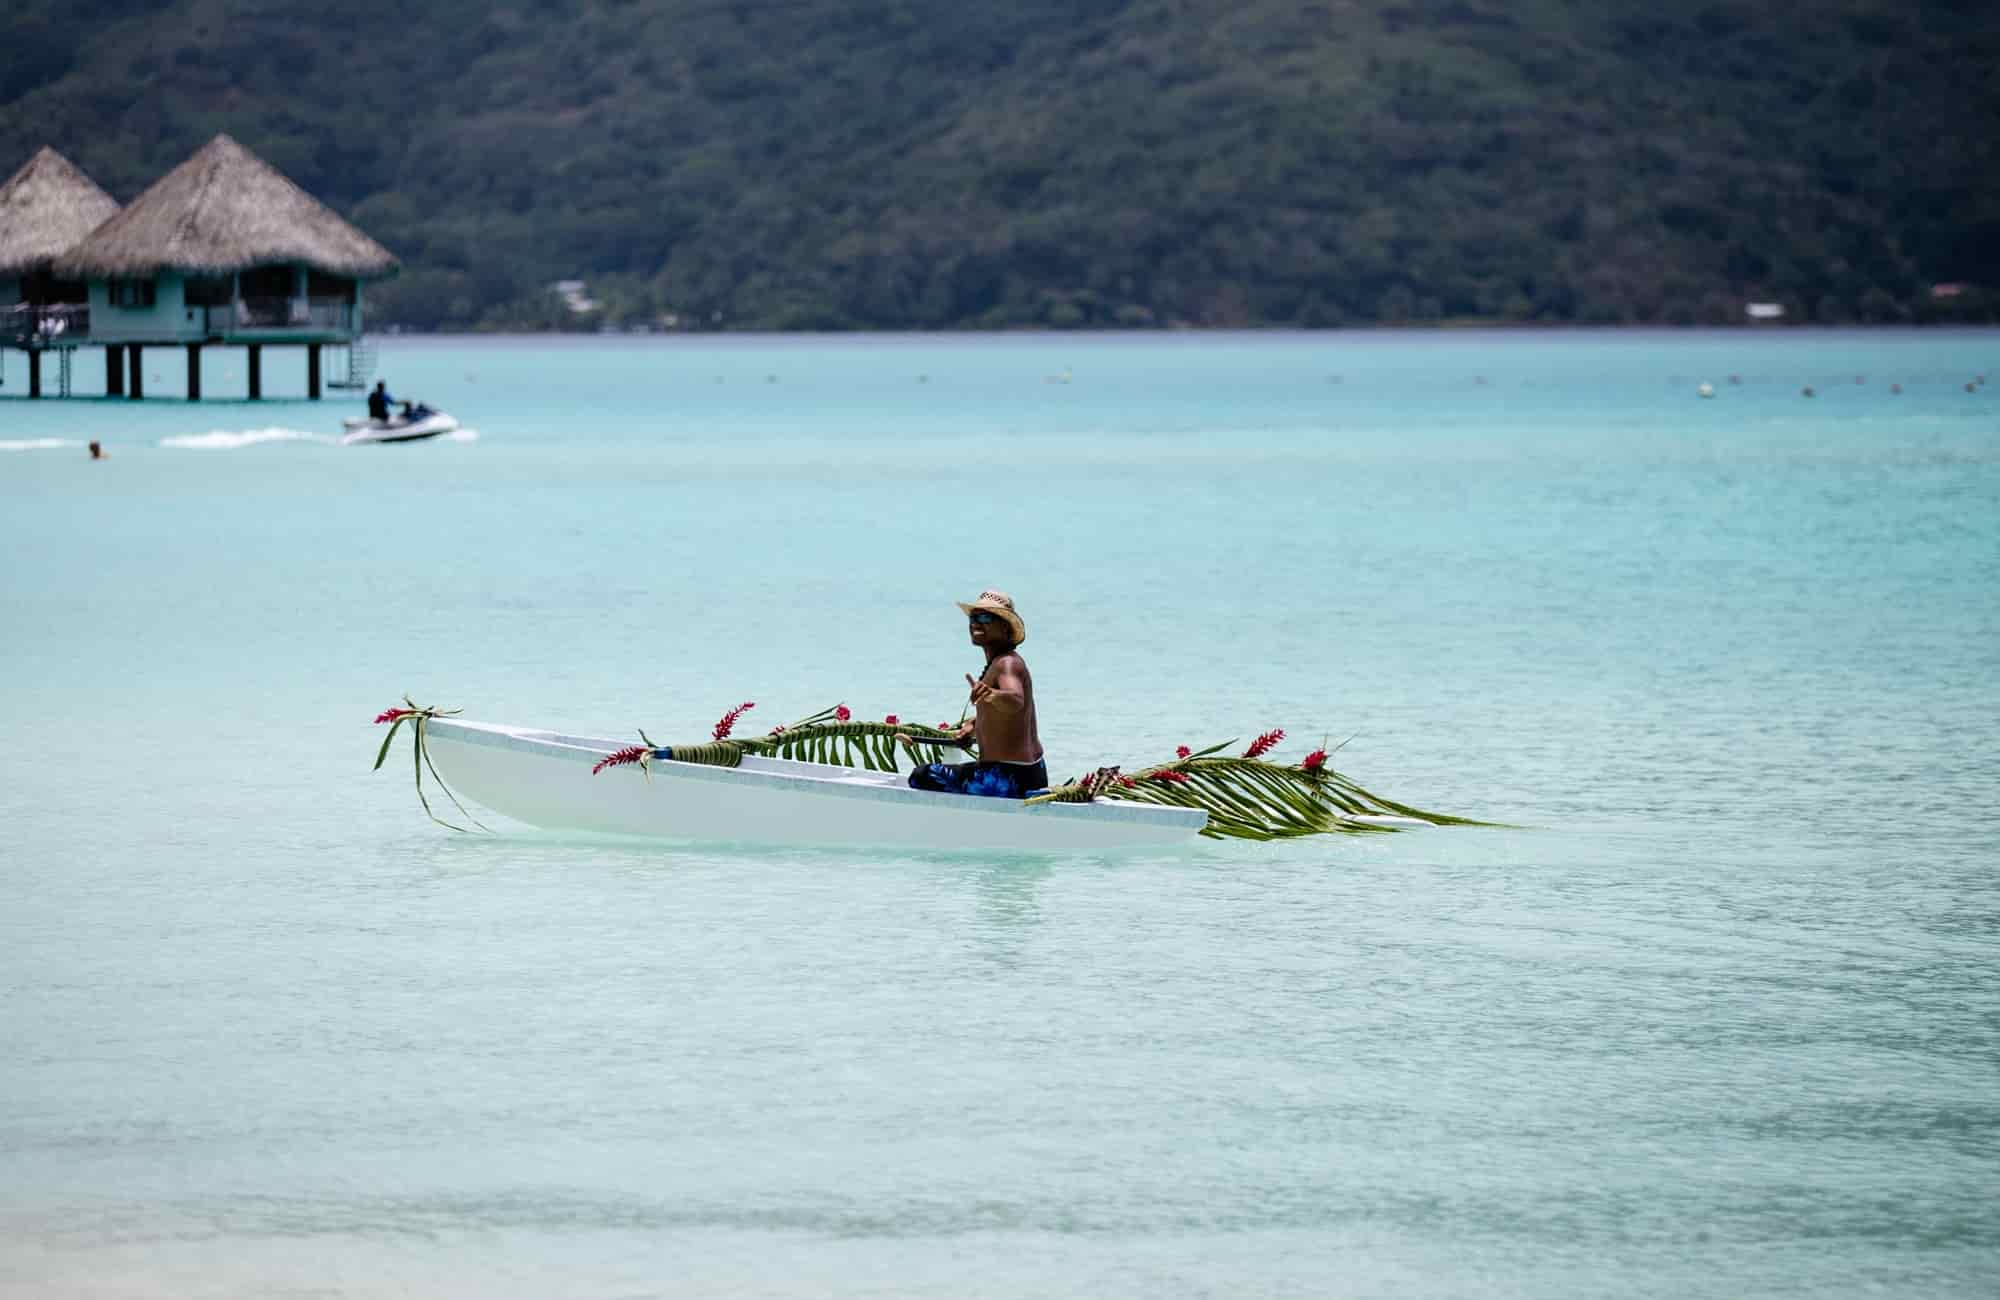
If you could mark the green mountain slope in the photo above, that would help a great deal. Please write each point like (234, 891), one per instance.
(926, 164)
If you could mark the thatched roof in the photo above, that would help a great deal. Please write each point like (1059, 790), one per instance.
(226, 209)
(46, 209)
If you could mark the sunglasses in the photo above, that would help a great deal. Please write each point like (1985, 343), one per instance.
(982, 618)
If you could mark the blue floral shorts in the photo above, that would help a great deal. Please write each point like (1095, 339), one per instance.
(994, 780)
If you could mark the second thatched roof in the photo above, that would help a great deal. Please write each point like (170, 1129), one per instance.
(46, 209)
(223, 210)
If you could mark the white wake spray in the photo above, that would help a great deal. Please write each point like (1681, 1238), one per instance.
(230, 440)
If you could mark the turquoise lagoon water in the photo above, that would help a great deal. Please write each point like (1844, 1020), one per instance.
(1721, 1018)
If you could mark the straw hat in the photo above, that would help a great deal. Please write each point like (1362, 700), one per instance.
(999, 602)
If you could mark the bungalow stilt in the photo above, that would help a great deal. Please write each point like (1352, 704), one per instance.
(114, 371)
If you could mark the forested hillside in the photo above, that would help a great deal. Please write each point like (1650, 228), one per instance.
(938, 163)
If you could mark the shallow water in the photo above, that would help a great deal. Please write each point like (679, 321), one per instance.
(1720, 1018)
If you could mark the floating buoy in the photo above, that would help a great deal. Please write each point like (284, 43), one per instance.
(1806, 391)
(1706, 390)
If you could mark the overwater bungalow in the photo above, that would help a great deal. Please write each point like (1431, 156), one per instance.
(46, 209)
(222, 250)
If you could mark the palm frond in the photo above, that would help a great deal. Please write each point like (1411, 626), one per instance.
(417, 715)
(1252, 798)
(820, 739)
(1246, 796)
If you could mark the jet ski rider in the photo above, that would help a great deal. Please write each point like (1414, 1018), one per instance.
(378, 402)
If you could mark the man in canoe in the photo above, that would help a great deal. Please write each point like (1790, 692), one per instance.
(1003, 702)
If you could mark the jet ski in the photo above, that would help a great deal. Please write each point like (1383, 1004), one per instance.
(413, 423)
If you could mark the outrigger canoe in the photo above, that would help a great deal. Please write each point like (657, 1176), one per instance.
(545, 778)
(832, 779)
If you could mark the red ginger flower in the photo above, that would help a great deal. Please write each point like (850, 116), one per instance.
(840, 711)
(629, 754)
(890, 720)
(1182, 751)
(728, 723)
(1265, 743)
(1127, 781)
(1170, 776)
(390, 715)
(1314, 761)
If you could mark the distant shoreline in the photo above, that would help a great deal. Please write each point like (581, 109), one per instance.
(1214, 331)
(1196, 335)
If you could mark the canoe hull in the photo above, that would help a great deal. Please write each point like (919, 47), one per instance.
(544, 779)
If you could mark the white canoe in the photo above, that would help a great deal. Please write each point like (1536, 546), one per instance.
(544, 779)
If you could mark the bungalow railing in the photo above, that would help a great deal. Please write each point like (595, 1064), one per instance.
(32, 325)
(305, 316)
